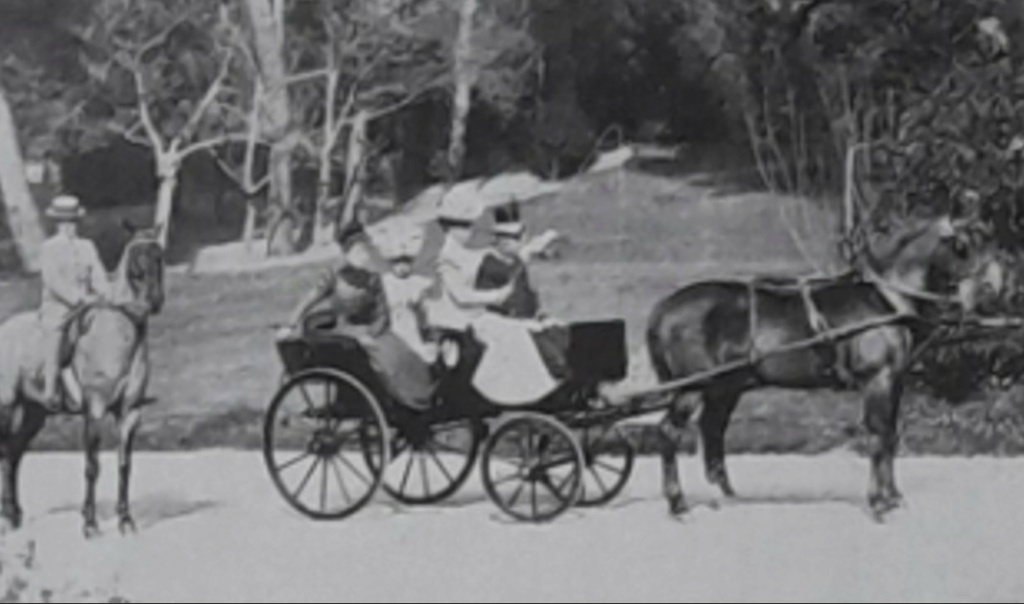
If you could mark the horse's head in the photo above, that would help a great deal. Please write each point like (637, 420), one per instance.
(984, 279)
(142, 268)
(917, 247)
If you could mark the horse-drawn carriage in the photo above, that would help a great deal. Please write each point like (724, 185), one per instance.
(334, 436)
(717, 338)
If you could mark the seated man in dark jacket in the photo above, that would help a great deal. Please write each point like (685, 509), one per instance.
(352, 295)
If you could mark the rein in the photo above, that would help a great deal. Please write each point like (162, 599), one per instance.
(878, 280)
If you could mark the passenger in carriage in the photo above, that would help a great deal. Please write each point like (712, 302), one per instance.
(351, 295)
(355, 297)
(512, 370)
(508, 264)
(406, 292)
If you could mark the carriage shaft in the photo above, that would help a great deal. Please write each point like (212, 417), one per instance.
(654, 399)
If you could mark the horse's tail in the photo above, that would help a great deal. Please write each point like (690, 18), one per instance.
(657, 347)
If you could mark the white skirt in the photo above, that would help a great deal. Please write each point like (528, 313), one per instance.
(511, 371)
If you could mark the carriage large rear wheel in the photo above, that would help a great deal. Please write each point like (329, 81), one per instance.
(533, 468)
(315, 444)
(608, 459)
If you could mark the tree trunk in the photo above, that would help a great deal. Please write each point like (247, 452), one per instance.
(355, 159)
(19, 205)
(249, 226)
(324, 230)
(324, 226)
(465, 79)
(268, 44)
(167, 172)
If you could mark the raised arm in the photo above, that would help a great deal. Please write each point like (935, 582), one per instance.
(538, 244)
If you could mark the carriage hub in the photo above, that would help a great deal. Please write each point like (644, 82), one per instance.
(325, 443)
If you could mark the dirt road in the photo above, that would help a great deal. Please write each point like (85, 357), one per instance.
(212, 529)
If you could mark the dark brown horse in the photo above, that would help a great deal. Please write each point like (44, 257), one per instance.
(712, 323)
(110, 360)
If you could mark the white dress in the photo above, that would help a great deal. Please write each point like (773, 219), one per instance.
(511, 371)
(403, 297)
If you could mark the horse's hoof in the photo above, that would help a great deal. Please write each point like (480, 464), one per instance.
(91, 531)
(678, 508)
(882, 507)
(127, 526)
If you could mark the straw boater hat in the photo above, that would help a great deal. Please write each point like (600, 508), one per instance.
(460, 206)
(65, 208)
(507, 221)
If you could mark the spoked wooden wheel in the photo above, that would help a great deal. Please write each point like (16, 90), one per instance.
(533, 468)
(315, 444)
(608, 459)
(430, 463)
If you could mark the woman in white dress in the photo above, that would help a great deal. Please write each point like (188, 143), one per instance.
(511, 369)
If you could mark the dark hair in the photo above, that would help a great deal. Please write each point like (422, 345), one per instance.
(507, 214)
(351, 234)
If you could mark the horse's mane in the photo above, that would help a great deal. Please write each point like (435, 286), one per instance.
(894, 249)
(120, 276)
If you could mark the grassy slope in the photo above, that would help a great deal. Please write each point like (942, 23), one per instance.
(634, 238)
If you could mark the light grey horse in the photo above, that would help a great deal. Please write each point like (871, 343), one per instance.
(109, 358)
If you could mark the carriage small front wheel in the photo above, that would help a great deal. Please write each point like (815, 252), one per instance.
(533, 468)
(608, 458)
(315, 444)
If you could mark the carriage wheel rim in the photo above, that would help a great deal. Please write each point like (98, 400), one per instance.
(431, 471)
(604, 480)
(532, 476)
(320, 465)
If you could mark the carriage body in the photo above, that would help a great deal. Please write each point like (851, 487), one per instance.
(398, 444)
(596, 355)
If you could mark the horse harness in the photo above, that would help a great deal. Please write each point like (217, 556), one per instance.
(838, 366)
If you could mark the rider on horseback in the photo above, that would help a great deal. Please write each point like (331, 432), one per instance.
(72, 277)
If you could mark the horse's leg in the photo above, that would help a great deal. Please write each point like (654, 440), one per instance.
(718, 408)
(881, 407)
(128, 427)
(91, 437)
(670, 430)
(888, 476)
(26, 422)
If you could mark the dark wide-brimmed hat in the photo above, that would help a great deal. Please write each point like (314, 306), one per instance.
(507, 221)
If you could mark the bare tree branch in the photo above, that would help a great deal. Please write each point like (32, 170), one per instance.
(240, 178)
(389, 109)
(300, 78)
(207, 100)
(155, 139)
(131, 134)
(211, 143)
(161, 38)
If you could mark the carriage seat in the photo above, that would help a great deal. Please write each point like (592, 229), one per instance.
(595, 351)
